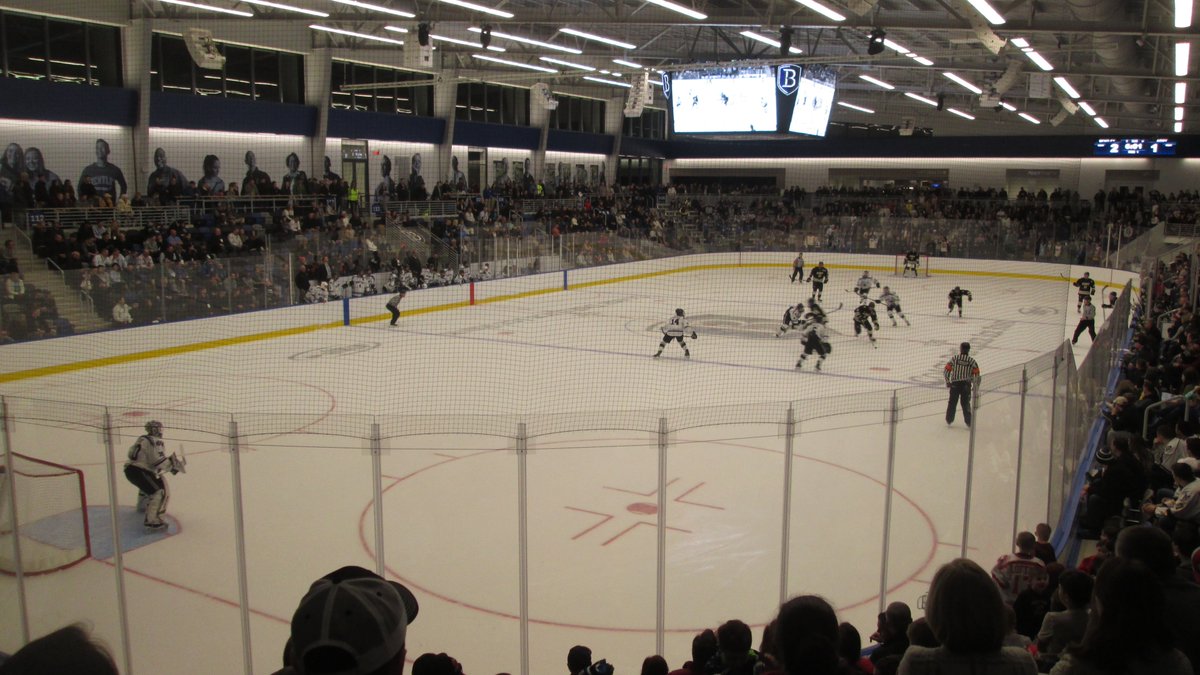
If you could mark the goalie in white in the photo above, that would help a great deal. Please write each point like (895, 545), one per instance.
(147, 463)
(864, 284)
(677, 329)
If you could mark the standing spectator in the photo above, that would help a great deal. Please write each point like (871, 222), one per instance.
(704, 647)
(654, 665)
(1022, 571)
(1043, 549)
(806, 637)
(735, 650)
(1153, 547)
(579, 659)
(850, 649)
(960, 373)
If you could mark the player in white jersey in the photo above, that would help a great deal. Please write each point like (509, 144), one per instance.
(891, 301)
(864, 284)
(677, 329)
(358, 284)
(317, 293)
(792, 319)
(816, 341)
(147, 463)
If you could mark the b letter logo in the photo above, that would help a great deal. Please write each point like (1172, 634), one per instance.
(787, 79)
(666, 86)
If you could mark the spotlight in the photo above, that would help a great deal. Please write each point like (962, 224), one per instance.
(423, 34)
(785, 41)
(875, 41)
(485, 36)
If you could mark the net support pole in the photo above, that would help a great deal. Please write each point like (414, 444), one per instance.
(377, 492)
(1020, 452)
(893, 422)
(660, 609)
(565, 280)
(239, 533)
(345, 311)
(118, 549)
(966, 531)
(789, 440)
(523, 542)
(18, 567)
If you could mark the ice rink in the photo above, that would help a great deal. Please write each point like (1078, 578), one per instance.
(451, 389)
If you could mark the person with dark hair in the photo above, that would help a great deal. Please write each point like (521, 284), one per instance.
(386, 190)
(704, 647)
(436, 664)
(164, 178)
(68, 650)
(1060, 629)
(966, 613)
(920, 634)
(295, 181)
(891, 631)
(212, 183)
(1152, 547)
(255, 177)
(1022, 571)
(960, 374)
(579, 658)
(105, 176)
(1127, 630)
(735, 651)
(1121, 478)
(849, 648)
(1184, 505)
(1043, 550)
(651, 665)
(806, 637)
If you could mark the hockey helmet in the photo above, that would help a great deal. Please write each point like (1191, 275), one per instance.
(678, 312)
(1087, 274)
(885, 288)
(866, 273)
(154, 428)
(812, 303)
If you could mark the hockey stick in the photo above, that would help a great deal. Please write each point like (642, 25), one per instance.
(840, 305)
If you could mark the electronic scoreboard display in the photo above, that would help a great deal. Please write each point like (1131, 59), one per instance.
(1134, 147)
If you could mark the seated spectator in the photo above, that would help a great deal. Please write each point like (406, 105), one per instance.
(806, 637)
(1183, 506)
(66, 650)
(735, 652)
(652, 665)
(1060, 629)
(920, 634)
(121, 313)
(14, 288)
(1121, 478)
(850, 649)
(436, 664)
(966, 612)
(351, 621)
(704, 647)
(892, 631)
(1152, 547)
(1127, 630)
(579, 658)
(1017, 572)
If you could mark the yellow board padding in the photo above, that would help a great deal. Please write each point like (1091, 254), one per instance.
(34, 373)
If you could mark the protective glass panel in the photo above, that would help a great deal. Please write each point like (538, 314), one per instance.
(997, 457)
(1036, 469)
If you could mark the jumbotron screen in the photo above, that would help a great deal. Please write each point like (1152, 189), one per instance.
(750, 100)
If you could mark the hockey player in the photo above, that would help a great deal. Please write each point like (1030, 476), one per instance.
(147, 463)
(318, 293)
(818, 276)
(1087, 288)
(393, 305)
(358, 284)
(792, 318)
(956, 297)
(798, 267)
(864, 284)
(485, 272)
(677, 328)
(892, 302)
(815, 342)
(865, 318)
(816, 312)
(912, 263)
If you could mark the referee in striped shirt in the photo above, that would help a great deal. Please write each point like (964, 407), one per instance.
(961, 371)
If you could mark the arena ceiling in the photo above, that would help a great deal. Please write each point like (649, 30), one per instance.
(1120, 56)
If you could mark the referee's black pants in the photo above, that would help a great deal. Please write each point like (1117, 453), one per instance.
(960, 393)
(1084, 324)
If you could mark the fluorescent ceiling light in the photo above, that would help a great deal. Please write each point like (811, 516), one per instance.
(289, 8)
(601, 80)
(1066, 86)
(686, 11)
(972, 88)
(1029, 118)
(960, 113)
(856, 107)
(351, 33)
(1178, 113)
(630, 64)
(822, 10)
(1008, 106)
(1183, 13)
(597, 38)
(768, 41)
(1179, 127)
(528, 41)
(877, 83)
(987, 11)
(396, 29)
(1038, 60)
(896, 47)
(465, 43)
(515, 64)
(377, 8)
(479, 8)
(1019, 42)
(580, 66)
(657, 83)
(922, 99)
(1180, 92)
(1183, 52)
(921, 60)
(1087, 108)
(1100, 122)
(210, 8)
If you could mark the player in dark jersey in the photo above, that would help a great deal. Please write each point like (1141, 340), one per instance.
(818, 276)
(956, 297)
(1087, 289)
(866, 319)
(912, 262)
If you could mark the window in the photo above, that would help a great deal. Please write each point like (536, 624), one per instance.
(57, 50)
(639, 170)
(495, 103)
(575, 113)
(651, 124)
(405, 100)
(250, 73)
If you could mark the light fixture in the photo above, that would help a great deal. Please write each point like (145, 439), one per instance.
(768, 41)
(1178, 113)
(1019, 42)
(1100, 122)
(479, 8)
(921, 60)
(580, 66)
(1039, 60)
(465, 43)
(897, 47)
(210, 8)
(524, 40)
(856, 107)
(1029, 118)
(597, 38)
(365, 36)
(1180, 92)
(674, 7)
(875, 41)
(960, 113)
(515, 64)
(1066, 87)
(629, 64)
(1183, 52)
(822, 10)
(922, 99)
(377, 8)
(1179, 127)
(614, 83)
(877, 83)
(965, 84)
(987, 11)
(1087, 108)
(289, 8)
(1183, 13)
(396, 29)
(1008, 106)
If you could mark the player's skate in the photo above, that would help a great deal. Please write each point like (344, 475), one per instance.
(687, 355)
(657, 354)
(906, 321)
(894, 324)
(819, 362)
(142, 500)
(800, 363)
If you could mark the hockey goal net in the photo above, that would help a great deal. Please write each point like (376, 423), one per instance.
(922, 270)
(50, 518)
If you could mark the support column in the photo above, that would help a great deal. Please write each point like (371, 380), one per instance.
(614, 125)
(445, 97)
(318, 67)
(539, 117)
(135, 57)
